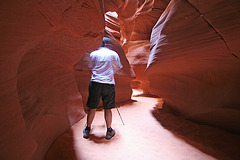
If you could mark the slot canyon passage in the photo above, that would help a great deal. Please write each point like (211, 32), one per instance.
(178, 91)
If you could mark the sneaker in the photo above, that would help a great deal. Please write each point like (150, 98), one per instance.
(86, 133)
(110, 133)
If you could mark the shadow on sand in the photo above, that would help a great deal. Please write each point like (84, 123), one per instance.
(218, 143)
(63, 147)
(99, 139)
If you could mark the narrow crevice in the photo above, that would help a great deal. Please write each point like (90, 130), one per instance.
(212, 28)
(47, 18)
(65, 9)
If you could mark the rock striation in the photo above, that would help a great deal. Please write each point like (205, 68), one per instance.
(185, 51)
(135, 29)
(194, 61)
(39, 96)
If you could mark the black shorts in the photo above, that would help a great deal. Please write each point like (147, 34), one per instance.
(98, 90)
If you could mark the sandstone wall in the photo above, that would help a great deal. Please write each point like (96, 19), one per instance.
(39, 97)
(194, 61)
(132, 26)
(193, 64)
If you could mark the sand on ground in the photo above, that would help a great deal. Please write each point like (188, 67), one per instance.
(147, 134)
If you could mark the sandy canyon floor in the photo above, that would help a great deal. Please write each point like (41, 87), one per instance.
(149, 133)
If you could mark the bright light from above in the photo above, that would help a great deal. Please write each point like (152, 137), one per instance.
(112, 14)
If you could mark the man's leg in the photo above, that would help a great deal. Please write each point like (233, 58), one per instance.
(90, 117)
(108, 117)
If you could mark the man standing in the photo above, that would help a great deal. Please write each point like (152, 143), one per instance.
(103, 63)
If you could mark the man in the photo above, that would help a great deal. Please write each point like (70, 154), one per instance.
(103, 63)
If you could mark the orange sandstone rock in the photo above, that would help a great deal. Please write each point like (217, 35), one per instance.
(194, 63)
(39, 96)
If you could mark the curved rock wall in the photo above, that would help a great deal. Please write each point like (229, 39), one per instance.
(39, 97)
(194, 62)
(35, 109)
(132, 27)
(138, 33)
(112, 25)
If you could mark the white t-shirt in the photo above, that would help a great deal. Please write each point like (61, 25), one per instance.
(103, 63)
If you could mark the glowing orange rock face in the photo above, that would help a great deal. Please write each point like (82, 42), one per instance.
(194, 61)
(39, 96)
(133, 29)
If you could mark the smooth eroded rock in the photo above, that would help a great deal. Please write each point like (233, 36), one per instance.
(192, 65)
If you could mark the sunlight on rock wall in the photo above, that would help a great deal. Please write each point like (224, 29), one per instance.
(39, 96)
(190, 49)
(193, 63)
(135, 26)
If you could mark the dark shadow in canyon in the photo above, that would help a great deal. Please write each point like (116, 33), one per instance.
(62, 148)
(218, 143)
(146, 95)
(99, 139)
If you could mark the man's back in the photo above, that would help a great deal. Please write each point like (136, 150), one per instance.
(103, 63)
